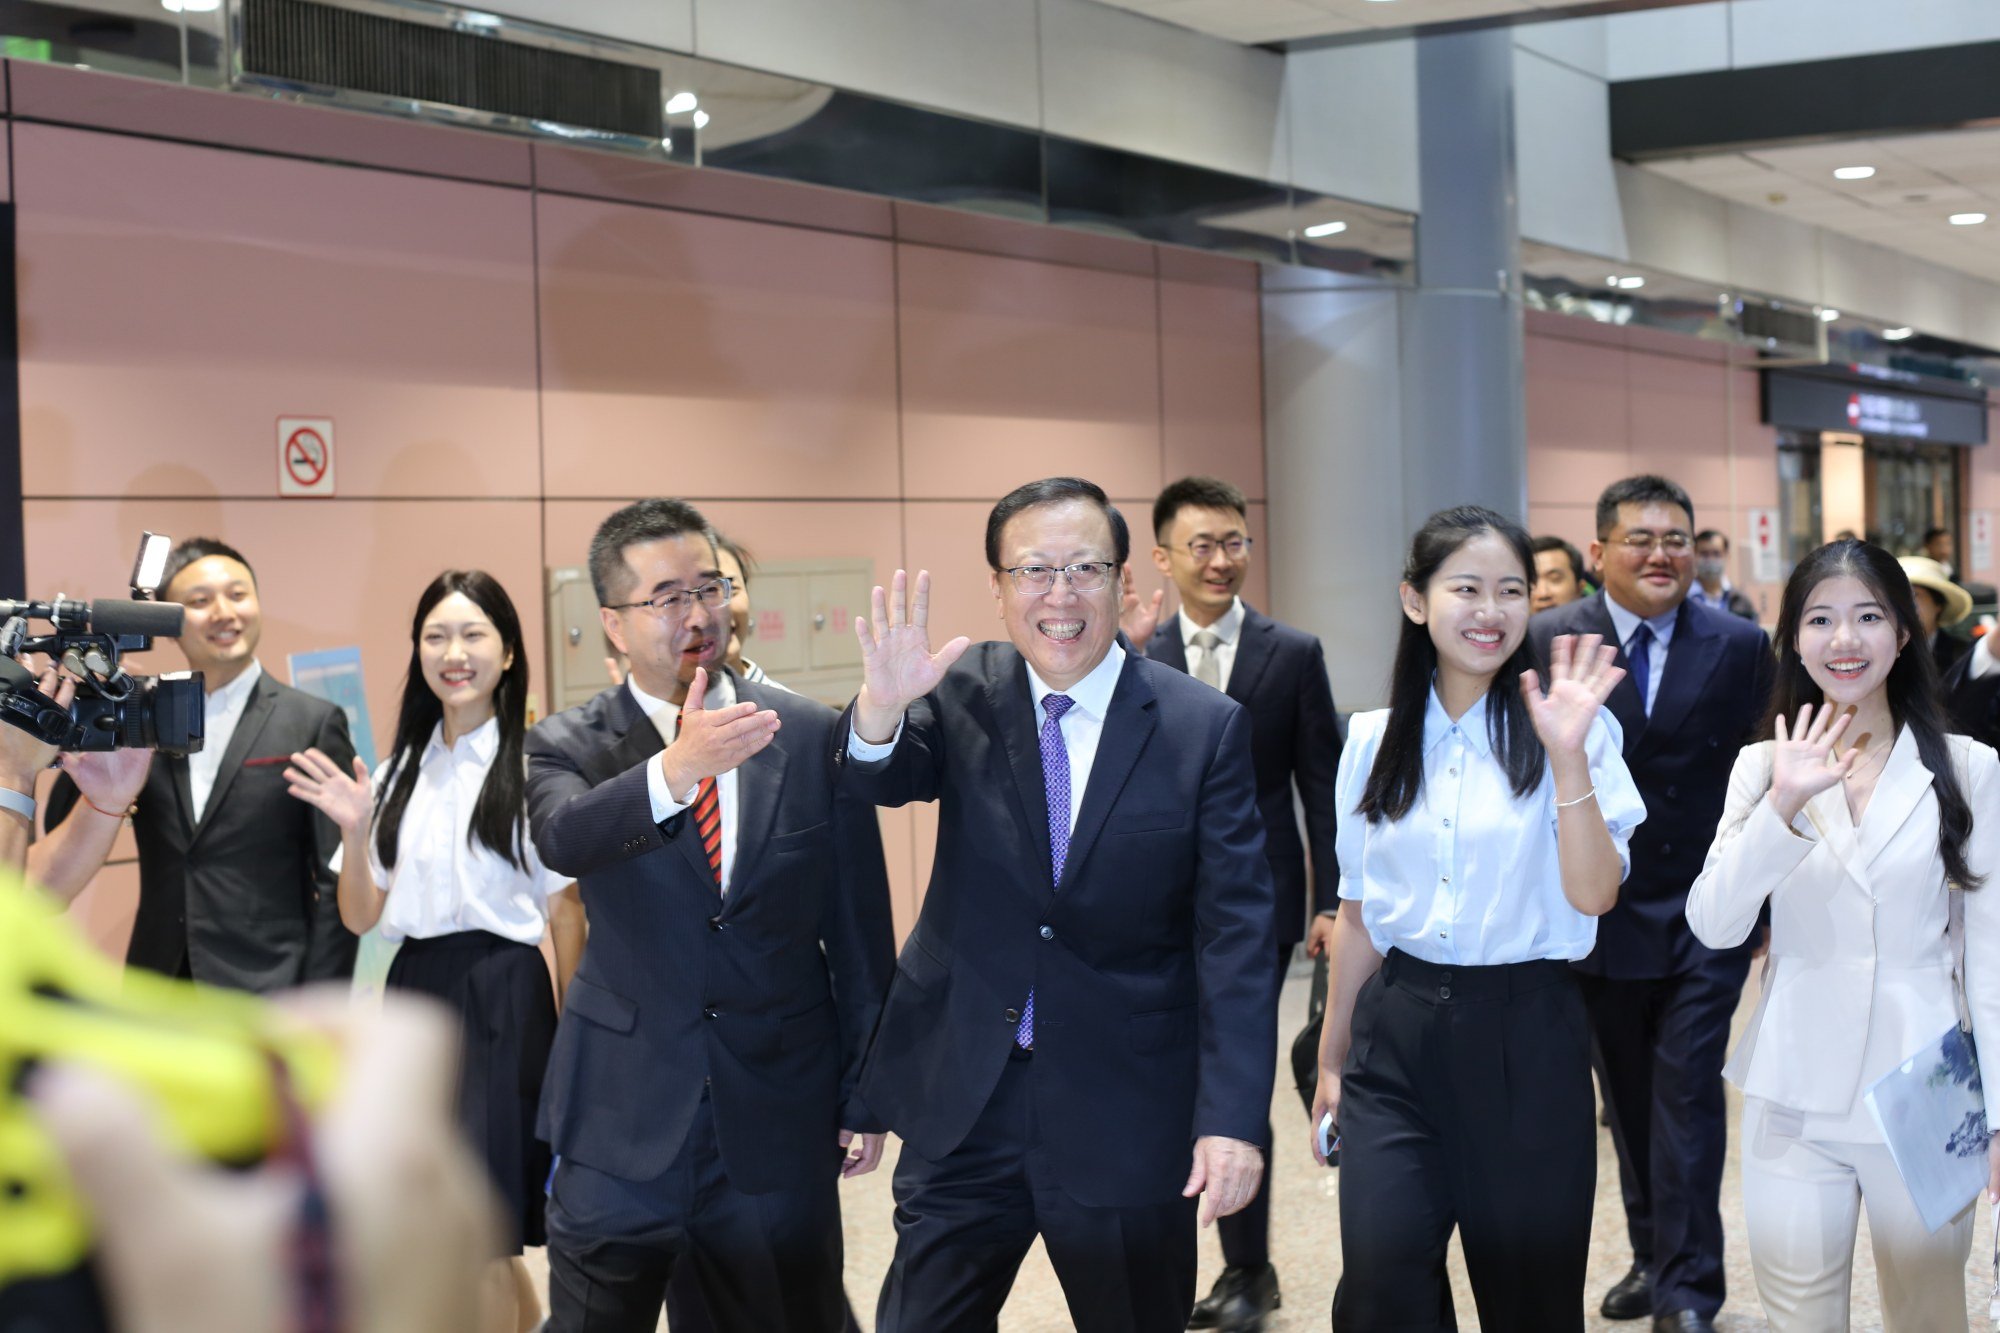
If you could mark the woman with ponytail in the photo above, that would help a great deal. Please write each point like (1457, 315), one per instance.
(436, 849)
(1483, 828)
(1868, 829)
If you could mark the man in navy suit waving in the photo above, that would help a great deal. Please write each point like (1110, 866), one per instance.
(1080, 1037)
(1202, 530)
(1696, 684)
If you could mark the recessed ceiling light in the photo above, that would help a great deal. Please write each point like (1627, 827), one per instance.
(1897, 335)
(1829, 315)
(1629, 283)
(682, 102)
(1967, 219)
(1326, 229)
(700, 119)
(191, 6)
(1853, 173)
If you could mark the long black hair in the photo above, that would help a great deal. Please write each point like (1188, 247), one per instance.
(1912, 686)
(499, 817)
(1398, 775)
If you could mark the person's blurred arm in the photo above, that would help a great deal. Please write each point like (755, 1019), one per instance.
(106, 783)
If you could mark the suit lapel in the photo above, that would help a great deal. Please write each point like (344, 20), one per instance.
(760, 782)
(177, 772)
(256, 712)
(1128, 723)
(1624, 703)
(1691, 659)
(1253, 654)
(1166, 648)
(1897, 794)
(1014, 719)
(635, 740)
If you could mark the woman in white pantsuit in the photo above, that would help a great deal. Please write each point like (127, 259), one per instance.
(1855, 823)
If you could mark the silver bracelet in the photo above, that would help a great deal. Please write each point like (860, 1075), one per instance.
(21, 804)
(1564, 805)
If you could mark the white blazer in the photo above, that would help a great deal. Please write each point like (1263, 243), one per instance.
(1855, 912)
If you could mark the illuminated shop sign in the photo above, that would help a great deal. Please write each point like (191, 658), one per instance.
(1839, 399)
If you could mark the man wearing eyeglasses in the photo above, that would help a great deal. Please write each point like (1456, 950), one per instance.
(1201, 527)
(1080, 1039)
(1695, 688)
(700, 1096)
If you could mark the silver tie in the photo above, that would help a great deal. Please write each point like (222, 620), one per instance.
(1209, 670)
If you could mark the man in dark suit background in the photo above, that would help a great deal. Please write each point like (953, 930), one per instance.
(700, 1095)
(1087, 994)
(1697, 682)
(1201, 527)
(234, 888)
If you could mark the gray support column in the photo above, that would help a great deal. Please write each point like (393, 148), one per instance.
(1465, 435)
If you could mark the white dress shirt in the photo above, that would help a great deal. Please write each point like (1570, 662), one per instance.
(1082, 726)
(224, 710)
(444, 882)
(1627, 624)
(1982, 656)
(666, 716)
(1470, 876)
(1228, 628)
(1719, 602)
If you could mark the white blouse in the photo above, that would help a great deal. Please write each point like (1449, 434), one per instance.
(443, 883)
(1470, 875)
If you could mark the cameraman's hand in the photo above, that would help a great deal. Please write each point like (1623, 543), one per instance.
(188, 1248)
(318, 781)
(109, 779)
(23, 755)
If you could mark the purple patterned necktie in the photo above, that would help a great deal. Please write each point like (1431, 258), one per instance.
(1055, 777)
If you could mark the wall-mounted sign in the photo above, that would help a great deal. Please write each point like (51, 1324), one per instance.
(305, 456)
(1765, 565)
(1841, 398)
(1979, 560)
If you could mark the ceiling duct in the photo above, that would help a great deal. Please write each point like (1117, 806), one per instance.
(1780, 331)
(444, 62)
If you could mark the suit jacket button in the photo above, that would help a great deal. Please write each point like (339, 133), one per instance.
(1011, 1015)
(1673, 793)
(1048, 932)
(711, 1013)
(1666, 849)
(715, 923)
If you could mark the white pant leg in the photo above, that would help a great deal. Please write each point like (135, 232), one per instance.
(1802, 1205)
(1921, 1273)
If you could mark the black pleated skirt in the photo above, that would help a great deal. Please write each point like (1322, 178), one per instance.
(507, 1012)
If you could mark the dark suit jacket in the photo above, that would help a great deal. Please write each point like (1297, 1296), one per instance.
(768, 996)
(243, 898)
(1710, 702)
(1280, 676)
(1974, 704)
(1155, 999)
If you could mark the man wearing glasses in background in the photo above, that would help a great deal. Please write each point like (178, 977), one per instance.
(1201, 526)
(1696, 683)
(1081, 1035)
(700, 1095)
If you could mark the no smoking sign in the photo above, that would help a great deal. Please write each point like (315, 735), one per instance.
(305, 456)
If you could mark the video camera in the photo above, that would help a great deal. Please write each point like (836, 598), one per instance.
(111, 710)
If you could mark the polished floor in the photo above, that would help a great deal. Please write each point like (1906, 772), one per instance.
(1306, 1239)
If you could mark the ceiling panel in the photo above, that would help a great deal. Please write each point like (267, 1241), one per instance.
(1262, 21)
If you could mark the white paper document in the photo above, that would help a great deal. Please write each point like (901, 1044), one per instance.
(1932, 1113)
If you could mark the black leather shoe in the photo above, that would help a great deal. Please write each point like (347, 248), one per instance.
(1239, 1301)
(1683, 1321)
(1632, 1298)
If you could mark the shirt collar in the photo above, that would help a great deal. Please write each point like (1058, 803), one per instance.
(721, 694)
(482, 742)
(231, 696)
(1438, 724)
(1627, 623)
(1092, 694)
(1226, 628)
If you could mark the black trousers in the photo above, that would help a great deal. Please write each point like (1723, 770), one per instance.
(764, 1263)
(1466, 1102)
(1246, 1234)
(965, 1222)
(1661, 1045)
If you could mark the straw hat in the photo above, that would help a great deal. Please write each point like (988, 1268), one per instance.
(1925, 572)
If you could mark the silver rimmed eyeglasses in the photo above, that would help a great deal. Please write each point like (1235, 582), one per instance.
(674, 605)
(1084, 576)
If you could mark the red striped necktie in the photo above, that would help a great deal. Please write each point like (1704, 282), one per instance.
(708, 818)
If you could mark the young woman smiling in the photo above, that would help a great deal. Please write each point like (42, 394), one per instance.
(436, 848)
(1858, 823)
(1483, 828)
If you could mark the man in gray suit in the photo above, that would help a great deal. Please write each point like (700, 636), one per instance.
(701, 1091)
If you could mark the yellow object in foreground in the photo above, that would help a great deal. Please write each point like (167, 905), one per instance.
(207, 1056)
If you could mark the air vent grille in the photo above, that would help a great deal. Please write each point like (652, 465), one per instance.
(1791, 328)
(303, 42)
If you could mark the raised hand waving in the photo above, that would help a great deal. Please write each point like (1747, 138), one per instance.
(1807, 758)
(1581, 678)
(897, 664)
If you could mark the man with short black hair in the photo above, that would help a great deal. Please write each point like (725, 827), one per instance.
(1203, 546)
(1695, 688)
(701, 1093)
(234, 885)
(1939, 546)
(1712, 587)
(1080, 1038)
(1558, 573)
